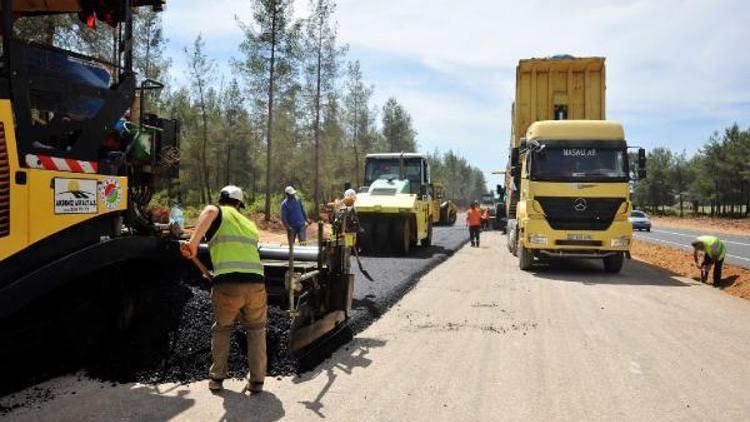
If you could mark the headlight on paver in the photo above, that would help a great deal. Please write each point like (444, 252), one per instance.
(537, 239)
(621, 242)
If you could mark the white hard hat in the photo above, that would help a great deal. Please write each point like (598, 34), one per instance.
(232, 192)
(290, 190)
(350, 193)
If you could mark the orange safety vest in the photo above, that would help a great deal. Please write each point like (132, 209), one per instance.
(474, 217)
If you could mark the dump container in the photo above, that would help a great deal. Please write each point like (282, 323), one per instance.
(557, 88)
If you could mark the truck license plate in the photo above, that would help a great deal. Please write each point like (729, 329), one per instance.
(579, 237)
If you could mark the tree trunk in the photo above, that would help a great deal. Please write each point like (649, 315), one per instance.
(204, 157)
(682, 214)
(228, 162)
(316, 190)
(269, 129)
(355, 142)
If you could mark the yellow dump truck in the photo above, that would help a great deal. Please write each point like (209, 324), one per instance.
(395, 206)
(568, 175)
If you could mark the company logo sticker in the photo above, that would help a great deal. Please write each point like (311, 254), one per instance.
(110, 192)
(75, 196)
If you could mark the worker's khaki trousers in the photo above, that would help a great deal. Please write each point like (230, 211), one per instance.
(248, 303)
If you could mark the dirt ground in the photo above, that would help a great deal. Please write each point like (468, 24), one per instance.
(735, 280)
(273, 232)
(270, 231)
(737, 226)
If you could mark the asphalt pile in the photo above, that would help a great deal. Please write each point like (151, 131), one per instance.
(171, 341)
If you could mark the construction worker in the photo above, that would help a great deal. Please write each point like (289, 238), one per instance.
(238, 289)
(293, 216)
(486, 218)
(714, 253)
(474, 221)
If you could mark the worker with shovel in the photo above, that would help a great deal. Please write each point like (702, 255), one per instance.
(238, 286)
(714, 253)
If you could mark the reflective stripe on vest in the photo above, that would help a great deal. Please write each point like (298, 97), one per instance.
(715, 248)
(234, 247)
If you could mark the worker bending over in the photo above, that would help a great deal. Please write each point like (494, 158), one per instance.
(239, 289)
(474, 221)
(293, 216)
(714, 253)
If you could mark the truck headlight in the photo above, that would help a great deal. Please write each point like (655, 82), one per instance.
(537, 239)
(621, 242)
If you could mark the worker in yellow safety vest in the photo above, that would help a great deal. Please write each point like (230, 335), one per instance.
(714, 253)
(238, 290)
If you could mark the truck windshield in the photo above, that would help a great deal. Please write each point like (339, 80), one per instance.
(580, 162)
(388, 168)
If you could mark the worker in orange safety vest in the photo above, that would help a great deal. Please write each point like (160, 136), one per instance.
(474, 221)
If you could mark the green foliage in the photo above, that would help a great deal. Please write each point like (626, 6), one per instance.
(716, 180)
(397, 129)
(463, 182)
(319, 101)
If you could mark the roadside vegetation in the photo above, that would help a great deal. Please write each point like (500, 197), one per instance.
(293, 109)
(714, 182)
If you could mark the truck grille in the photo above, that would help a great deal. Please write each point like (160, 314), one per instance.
(570, 213)
(4, 185)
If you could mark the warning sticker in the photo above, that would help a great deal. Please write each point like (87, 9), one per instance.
(75, 196)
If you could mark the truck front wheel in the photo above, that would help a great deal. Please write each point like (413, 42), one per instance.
(525, 258)
(512, 240)
(613, 263)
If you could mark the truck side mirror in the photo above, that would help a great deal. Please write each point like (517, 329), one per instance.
(514, 157)
(641, 163)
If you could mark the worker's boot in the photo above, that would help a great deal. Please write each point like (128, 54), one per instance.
(253, 387)
(215, 385)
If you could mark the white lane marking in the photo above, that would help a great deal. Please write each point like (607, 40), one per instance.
(682, 245)
(693, 237)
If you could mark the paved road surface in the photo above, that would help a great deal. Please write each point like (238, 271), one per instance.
(394, 276)
(477, 339)
(738, 247)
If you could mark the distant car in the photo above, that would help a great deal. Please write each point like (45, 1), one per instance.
(640, 220)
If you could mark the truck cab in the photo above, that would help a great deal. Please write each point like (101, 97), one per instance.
(574, 193)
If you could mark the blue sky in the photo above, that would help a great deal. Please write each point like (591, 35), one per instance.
(676, 70)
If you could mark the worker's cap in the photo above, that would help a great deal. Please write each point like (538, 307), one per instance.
(289, 190)
(232, 192)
